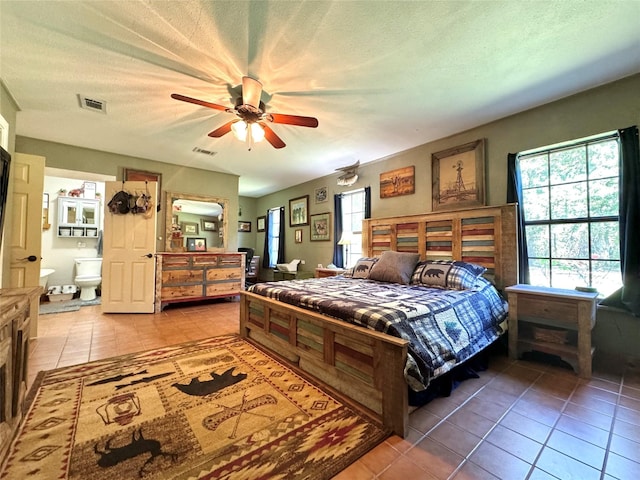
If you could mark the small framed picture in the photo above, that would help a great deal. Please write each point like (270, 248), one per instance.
(195, 244)
(321, 195)
(208, 225)
(244, 226)
(321, 227)
(298, 235)
(261, 223)
(189, 228)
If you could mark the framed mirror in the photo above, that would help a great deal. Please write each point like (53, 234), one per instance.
(196, 211)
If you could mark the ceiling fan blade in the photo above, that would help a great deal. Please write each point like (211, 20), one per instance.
(293, 120)
(272, 138)
(251, 92)
(223, 130)
(202, 103)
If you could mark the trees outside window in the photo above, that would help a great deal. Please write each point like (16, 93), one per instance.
(571, 205)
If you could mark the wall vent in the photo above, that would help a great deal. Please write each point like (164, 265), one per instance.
(92, 104)
(204, 151)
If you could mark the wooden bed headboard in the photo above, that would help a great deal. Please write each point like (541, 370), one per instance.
(485, 235)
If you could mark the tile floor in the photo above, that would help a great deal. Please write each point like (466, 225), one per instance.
(520, 420)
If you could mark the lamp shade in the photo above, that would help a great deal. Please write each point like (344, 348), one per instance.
(346, 238)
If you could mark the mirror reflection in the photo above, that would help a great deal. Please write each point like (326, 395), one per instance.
(191, 218)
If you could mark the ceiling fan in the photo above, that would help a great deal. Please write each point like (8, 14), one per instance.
(252, 122)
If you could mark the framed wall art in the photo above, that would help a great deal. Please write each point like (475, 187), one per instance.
(260, 223)
(321, 194)
(458, 177)
(244, 226)
(320, 227)
(189, 228)
(299, 211)
(196, 244)
(298, 235)
(397, 182)
(208, 225)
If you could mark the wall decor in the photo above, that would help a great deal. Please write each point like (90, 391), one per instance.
(321, 227)
(299, 211)
(321, 194)
(458, 177)
(298, 235)
(401, 181)
(244, 226)
(132, 175)
(260, 223)
(196, 244)
(208, 225)
(189, 228)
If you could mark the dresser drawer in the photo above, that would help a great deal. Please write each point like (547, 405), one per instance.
(214, 274)
(184, 291)
(223, 288)
(174, 277)
(205, 260)
(169, 261)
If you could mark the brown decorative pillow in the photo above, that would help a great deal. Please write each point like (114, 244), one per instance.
(394, 267)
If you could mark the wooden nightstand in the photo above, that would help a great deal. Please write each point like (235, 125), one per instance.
(553, 321)
(328, 272)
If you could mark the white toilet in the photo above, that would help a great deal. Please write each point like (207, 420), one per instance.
(88, 276)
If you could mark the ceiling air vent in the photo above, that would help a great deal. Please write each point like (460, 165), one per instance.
(205, 152)
(92, 104)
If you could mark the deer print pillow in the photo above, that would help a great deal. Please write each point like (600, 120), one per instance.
(453, 275)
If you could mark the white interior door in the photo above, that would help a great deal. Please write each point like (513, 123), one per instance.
(128, 261)
(25, 231)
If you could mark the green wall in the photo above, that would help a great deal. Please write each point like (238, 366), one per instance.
(175, 178)
(610, 107)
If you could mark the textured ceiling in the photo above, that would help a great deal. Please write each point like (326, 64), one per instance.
(380, 76)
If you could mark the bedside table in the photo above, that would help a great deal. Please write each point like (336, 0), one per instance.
(329, 272)
(553, 321)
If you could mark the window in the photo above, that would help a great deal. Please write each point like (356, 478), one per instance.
(353, 204)
(273, 220)
(571, 205)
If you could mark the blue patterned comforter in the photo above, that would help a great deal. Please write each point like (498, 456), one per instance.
(443, 327)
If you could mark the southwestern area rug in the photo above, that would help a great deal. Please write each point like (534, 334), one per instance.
(219, 408)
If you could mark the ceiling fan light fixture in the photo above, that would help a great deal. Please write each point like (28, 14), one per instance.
(241, 130)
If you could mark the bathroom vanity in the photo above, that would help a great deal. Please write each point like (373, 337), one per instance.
(15, 319)
(188, 276)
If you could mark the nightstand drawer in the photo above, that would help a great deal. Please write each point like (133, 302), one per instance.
(550, 309)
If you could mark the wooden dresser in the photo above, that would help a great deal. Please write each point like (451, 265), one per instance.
(184, 277)
(15, 319)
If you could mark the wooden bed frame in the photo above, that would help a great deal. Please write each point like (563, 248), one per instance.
(368, 366)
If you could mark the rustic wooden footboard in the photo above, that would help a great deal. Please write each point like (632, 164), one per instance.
(364, 365)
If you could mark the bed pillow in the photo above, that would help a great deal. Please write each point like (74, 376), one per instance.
(394, 267)
(362, 268)
(453, 275)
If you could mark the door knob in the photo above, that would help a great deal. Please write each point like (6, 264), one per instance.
(30, 258)
(148, 255)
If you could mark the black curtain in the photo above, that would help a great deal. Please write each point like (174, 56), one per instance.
(514, 195)
(266, 261)
(628, 297)
(338, 256)
(367, 202)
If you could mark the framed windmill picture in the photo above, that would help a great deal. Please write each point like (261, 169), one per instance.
(458, 177)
